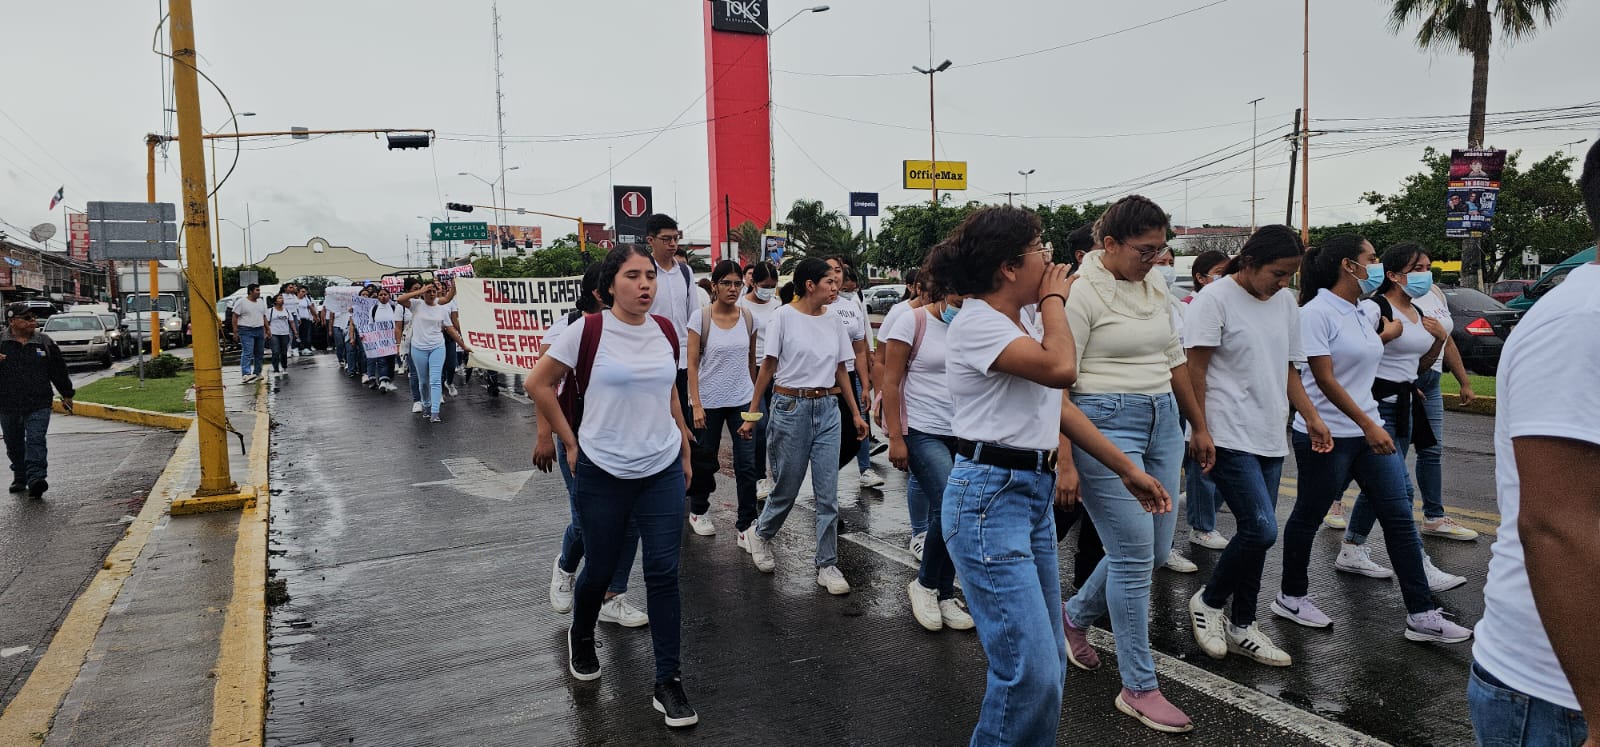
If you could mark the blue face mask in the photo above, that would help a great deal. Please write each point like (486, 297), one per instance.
(1418, 284)
(1373, 279)
(949, 313)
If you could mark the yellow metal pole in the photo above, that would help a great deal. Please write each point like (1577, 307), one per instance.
(583, 241)
(209, 410)
(154, 331)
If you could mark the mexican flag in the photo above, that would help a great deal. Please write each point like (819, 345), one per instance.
(61, 194)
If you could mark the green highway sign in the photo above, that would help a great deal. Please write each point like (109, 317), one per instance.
(459, 232)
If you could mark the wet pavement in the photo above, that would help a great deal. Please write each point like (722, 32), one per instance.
(100, 474)
(416, 559)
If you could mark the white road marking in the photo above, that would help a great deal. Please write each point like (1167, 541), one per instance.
(471, 476)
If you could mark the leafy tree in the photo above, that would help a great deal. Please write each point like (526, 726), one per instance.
(749, 238)
(910, 231)
(230, 277)
(815, 231)
(560, 259)
(315, 285)
(1468, 26)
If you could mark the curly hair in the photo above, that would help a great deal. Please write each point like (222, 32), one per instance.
(968, 261)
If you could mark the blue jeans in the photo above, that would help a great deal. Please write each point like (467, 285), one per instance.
(451, 358)
(917, 504)
(381, 368)
(252, 345)
(427, 370)
(1503, 717)
(863, 454)
(355, 357)
(1361, 517)
(340, 352)
(760, 436)
(1146, 428)
(705, 456)
(25, 443)
(1001, 534)
(1249, 483)
(804, 433)
(280, 352)
(1200, 497)
(572, 539)
(1429, 474)
(1323, 478)
(932, 457)
(607, 506)
(415, 377)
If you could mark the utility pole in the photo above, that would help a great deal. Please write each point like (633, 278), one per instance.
(1025, 175)
(210, 414)
(1294, 154)
(500, 126)
(1186, 224)
(1009, 201)
(1255, 128)
(1305, 133)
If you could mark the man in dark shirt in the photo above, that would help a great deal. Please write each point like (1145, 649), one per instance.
(29, 363)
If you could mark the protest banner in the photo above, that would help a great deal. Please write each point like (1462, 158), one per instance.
(452, 273)
(377, 338)
(338, 299)
(505, 320)
(1473, 192)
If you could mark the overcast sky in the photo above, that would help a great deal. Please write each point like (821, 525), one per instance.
(588, 82)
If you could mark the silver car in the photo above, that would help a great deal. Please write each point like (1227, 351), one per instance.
(82, 337)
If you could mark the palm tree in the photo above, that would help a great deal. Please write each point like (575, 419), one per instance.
(1468, 26)
(818, 232)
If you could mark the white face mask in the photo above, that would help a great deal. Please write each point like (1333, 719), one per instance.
(765, 294)
(1168, 273)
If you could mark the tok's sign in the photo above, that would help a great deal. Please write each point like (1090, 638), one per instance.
(951, 175)
(863, 203)
(739, 16)
(1473, 193)
(505, 320)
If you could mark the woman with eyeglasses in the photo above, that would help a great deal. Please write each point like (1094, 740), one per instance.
(1133, 385)
(762, 301)
(722, 362)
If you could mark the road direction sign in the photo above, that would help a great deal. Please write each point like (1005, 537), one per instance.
(133, 231)
(458, 232)
(633, 205)
(606, 244)
(630, 207)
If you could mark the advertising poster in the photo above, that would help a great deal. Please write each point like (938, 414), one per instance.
(773, 246)
(1474, 189)
(523, 237)
(377, 338)
(505, 320)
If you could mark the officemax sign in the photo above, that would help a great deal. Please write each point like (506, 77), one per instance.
(921, 174)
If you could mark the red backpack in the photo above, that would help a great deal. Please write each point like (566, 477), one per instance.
(577, 379)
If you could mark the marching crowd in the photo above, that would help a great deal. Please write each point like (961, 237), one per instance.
(1024, 397)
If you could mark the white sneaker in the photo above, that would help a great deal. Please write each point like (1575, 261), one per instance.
(1255, 644)
(1448, 529)
(701, 524)
(831, 579)
(743, 538)
(561, 588)
(760, 551)
(763, 489)
(1440, 580)
(1432, 626)
(1212, 540)
(1206, 622)
(365, 379)
(451, 388)
(416, 407)
(870, 479)
(617, 610)
(918, 541)
(1179, 564)
(924, 603)
(1335, 518)
(1357, 559)
(955, 615)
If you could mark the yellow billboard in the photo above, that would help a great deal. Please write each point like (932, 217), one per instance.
(920, 174)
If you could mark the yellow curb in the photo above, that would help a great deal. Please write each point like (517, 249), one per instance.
(1480, 405)
(245, 498)
(239, 699)
(28, 717)
(127, 415)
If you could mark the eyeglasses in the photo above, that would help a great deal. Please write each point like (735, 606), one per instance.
(667, 238)
(733, 284)
(1148, 255)
(1046, 252)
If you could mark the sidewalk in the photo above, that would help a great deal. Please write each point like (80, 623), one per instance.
(135, 659)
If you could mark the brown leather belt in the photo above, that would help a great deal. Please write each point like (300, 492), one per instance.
(813, 393)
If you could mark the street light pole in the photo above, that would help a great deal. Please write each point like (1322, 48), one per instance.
(772, 143)
(933, 129)
(1025, 175)
(1255, 107)
(497, 210)
(1566, 148)
(216, 196)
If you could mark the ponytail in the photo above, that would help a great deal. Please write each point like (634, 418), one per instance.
(1267, 245)
(1320, 269)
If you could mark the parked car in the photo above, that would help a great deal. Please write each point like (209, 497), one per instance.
(1482, 325)
(122, 344)
(881, 297)
(1505, 290)
(82, 337)
(1550, 280)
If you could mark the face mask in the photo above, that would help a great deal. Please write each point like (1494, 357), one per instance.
(1418, 284)
(1168, 273)
(1373, 279)
(765, 294)
(949, 313)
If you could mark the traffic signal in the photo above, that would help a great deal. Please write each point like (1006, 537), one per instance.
(403, 142)
(458, 207)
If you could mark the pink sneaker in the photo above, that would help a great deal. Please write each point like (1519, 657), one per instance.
(1079, 652)
(1153, 710)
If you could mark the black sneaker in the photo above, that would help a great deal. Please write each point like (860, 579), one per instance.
(37, 488)
(581, 658)
(670, 700)
(17, 486)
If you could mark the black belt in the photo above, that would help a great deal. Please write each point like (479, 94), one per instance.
(1032, 460)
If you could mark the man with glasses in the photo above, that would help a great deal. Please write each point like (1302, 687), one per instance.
(676, 295)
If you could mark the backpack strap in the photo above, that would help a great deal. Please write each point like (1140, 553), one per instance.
(672, 334)
(920, 317)
(588, 346)
(688, 282)
(705, 328)
(750, 326)
(1385, 310)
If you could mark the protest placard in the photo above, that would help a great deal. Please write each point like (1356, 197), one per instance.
(377, 337)
(505, 320)
(338, 299)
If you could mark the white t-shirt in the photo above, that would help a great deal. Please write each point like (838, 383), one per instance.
(427, 324)
(1334, 327)
(926, 387)
(763, 314)
(677, 298)
(724, 364)
(1546, 387)
(279, 321)
(556, 329)
(627, 427)
(386, 312)
(250, 313)
(1247, 385)
(341, 319)
(292, 304)
(1402, 354)
(1433, 304)
(809, 348)
(855, 322)
(991, 406)
(893, 316)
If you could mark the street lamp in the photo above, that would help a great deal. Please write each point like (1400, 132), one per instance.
(499, 216)
(772, 143)
(1025, 175)
(933, 130)
(216, 198)
(1255, 126)
(247, 235)
(1566, 148)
